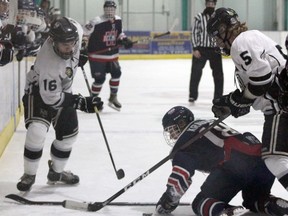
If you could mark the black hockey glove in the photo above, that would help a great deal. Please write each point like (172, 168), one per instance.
(126, 42)
(6, 52)
(166, 204)
(7, 29)
(18, 38)
(283, 91)
(87, 104)
(83, 58)
(20, 54)
(233, 103)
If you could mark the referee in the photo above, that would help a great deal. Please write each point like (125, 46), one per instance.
(204, 49)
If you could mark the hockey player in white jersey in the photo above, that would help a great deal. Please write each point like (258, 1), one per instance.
(49, 99)
(260, 68)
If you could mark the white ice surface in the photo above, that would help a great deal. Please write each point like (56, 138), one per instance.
(148, 89)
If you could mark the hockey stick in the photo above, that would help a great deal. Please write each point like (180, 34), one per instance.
(84, 206)
(119, 173)
(99, 205)
(175, 22)
(76, 205)
(25, 201)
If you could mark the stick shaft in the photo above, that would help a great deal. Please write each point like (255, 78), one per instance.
(160, 163)
(134, 42)
(99, 120)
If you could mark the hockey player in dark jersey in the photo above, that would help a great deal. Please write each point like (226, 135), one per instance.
(105, 35)
(233, 160)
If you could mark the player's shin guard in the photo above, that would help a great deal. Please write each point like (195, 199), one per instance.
(96, 89)
(34, 143)
(208, 206)
(60, 152)
(278, 166)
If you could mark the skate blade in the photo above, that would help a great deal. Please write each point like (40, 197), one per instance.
(114, 107)
(52, 182)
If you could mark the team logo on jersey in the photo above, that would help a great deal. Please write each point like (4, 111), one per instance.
(110, 38)
(69, 72)
(43, 113)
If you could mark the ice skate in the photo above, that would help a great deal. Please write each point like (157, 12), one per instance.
(26, 182)
(277, 206)
(114, 103)
(64, 177)
(234, 211)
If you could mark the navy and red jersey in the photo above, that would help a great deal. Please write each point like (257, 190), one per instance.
(218, 146)
(103, 34)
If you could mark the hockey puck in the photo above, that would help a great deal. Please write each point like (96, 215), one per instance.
(147, 214)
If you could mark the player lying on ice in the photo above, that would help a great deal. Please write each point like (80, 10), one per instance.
(233, 161)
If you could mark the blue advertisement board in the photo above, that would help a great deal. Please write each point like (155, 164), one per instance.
(174, 43)
(143, 44)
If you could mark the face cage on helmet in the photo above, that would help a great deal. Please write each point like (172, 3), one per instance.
(171, 134)
(109, 12)
(223, 50)
(65, 56)
(25, 16)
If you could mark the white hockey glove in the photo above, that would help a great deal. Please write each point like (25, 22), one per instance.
(166, 204)
(233, 103)
(87, 104)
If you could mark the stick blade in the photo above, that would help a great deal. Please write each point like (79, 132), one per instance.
(75, 205)
(120, 174)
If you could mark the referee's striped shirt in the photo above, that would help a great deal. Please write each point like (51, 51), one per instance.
(199, 36)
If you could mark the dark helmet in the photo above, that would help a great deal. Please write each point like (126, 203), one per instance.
(63, 30)
(215, 1)
(110, 4)
(175, 121)
(222, 15)
(177, 115)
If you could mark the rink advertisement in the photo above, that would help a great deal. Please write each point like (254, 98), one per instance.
(174, 43)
